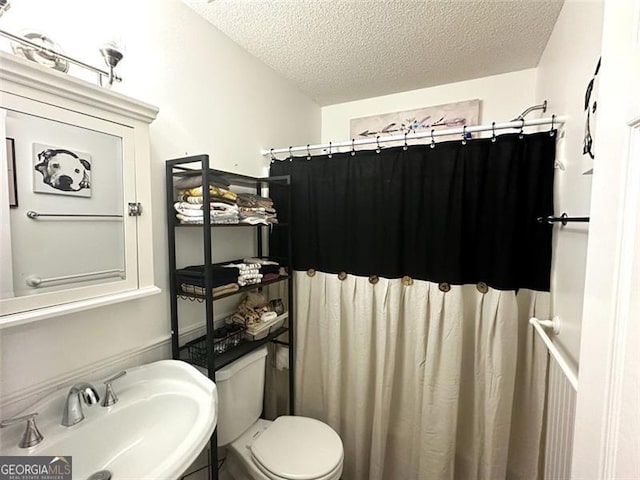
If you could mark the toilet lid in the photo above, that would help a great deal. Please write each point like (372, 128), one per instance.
(298, 448)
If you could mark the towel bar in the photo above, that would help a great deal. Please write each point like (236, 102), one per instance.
(35, 281)
(33, 215)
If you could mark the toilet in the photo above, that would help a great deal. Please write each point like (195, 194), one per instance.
(288, 448)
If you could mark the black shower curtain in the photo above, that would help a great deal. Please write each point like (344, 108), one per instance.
(454, 213)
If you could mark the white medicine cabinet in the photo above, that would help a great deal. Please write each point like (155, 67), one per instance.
(75, 194)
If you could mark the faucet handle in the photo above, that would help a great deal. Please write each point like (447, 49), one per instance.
(110, 397)
(31, 436)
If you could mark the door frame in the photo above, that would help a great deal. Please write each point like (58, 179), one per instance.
(606, 428)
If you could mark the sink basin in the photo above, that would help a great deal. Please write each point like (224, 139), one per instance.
(165, 415)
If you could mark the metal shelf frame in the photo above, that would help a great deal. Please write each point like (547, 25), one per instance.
(200, 165)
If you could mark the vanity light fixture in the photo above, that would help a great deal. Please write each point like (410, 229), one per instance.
(4, 6)
(112, 56)
(47, 50)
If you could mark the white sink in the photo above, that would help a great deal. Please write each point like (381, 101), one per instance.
(166, 412)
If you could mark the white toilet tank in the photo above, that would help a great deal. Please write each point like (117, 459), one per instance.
(240, 388)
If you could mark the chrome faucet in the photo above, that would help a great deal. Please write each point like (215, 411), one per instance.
(72, 413)
(31, 436)
(110, 397)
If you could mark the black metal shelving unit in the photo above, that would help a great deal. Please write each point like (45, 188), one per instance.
(201, 350)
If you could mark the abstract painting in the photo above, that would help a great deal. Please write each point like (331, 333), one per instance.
(420, 120)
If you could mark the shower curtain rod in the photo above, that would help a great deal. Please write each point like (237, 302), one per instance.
(553, 121)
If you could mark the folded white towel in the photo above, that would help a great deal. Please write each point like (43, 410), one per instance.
(199, 220)
(186, 205)
(214, 206)
(189, 219)
(221, 220)
(259, 261)
(225, 207)
(254, 221)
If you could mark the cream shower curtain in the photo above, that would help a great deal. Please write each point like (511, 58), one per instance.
(421, 382)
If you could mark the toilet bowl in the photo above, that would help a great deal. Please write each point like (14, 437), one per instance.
(288, 448)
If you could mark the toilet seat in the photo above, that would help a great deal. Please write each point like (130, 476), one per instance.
(333, 475)
(298, 448)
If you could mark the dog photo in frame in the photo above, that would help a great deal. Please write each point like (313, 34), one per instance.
(61, 171)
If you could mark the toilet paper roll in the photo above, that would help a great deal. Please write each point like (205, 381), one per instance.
(282, 358)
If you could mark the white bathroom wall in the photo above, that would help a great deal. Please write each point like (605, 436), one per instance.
(502, 98)
(213, 98)
(566, 66)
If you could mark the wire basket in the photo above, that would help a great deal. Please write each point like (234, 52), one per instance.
(224, 339)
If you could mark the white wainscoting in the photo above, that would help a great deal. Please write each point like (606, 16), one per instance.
(159, 349)
(561, 412)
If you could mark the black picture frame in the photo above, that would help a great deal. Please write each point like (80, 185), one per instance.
(11, 173)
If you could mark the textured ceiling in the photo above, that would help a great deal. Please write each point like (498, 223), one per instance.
(341, 50)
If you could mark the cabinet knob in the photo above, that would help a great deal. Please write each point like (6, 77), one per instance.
(135, 209)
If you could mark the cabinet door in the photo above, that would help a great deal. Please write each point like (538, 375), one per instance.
(66, 180)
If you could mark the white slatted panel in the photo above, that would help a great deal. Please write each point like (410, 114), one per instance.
(561, 410)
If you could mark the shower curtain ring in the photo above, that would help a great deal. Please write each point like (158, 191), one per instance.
(493, 130)
(378, 144)
(521, 134)
(330, 155)
(464, 135)
(353, 147)
(273, 157)
(406, 147)
(308, 153)
(290, 154)
(433, 141)
(553, 121)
